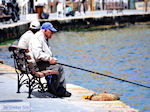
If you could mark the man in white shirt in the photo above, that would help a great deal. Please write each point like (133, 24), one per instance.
(25, 38)
(45, 61)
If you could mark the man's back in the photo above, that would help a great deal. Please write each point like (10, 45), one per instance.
(25, 38)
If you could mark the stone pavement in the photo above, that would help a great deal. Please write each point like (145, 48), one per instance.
(11, 101)
(53, 16)
(101, 13)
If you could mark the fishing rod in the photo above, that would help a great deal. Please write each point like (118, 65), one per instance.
(104, 75)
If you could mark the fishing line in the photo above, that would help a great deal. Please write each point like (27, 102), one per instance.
(104, 75)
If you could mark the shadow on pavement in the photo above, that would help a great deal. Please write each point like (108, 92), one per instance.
(43, 95)
(4, 101)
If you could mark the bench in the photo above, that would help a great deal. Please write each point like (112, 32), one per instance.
(118, 6)
(27, 72)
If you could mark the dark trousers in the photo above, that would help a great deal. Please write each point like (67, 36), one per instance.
(56, 82)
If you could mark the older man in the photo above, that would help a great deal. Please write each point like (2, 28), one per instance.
(45, 61)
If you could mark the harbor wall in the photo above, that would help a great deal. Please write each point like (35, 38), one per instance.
(9, 32)
(13, 31)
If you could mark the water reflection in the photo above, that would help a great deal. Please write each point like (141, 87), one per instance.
(5, 55)
(122, 53)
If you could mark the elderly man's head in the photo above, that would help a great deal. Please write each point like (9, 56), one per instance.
(48, 29)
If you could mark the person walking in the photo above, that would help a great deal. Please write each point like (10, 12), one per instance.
(82, 7)
(42, 54)
(60, 10)
(51, 6)
(15, 9)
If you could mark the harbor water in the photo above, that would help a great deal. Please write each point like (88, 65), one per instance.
(123, 53)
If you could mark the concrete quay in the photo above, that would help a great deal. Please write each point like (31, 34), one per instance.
(11, 101)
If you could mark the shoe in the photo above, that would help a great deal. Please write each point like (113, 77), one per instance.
(62, 92)
(65, 94)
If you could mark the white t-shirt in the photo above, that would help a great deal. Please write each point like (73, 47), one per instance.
(25, 39)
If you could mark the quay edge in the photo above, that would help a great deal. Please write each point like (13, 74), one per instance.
(15, 30)
(39, 101)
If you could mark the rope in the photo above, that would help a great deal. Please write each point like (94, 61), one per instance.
(104, 75)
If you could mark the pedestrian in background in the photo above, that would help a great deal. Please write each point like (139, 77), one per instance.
(60, 9)
(16, 9)
(69, 11)
(82, 7)
(45, 13)
(51, 6)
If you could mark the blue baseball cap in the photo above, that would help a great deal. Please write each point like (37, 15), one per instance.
(48, 25)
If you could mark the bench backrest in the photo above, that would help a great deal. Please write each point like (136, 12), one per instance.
(20, 59)
(22, 62)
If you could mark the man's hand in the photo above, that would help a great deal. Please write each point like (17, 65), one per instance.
(53, 61)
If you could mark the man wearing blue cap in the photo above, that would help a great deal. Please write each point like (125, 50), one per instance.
(45, 61)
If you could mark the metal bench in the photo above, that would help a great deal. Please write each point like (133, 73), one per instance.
(118, 6)
(27, 71)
